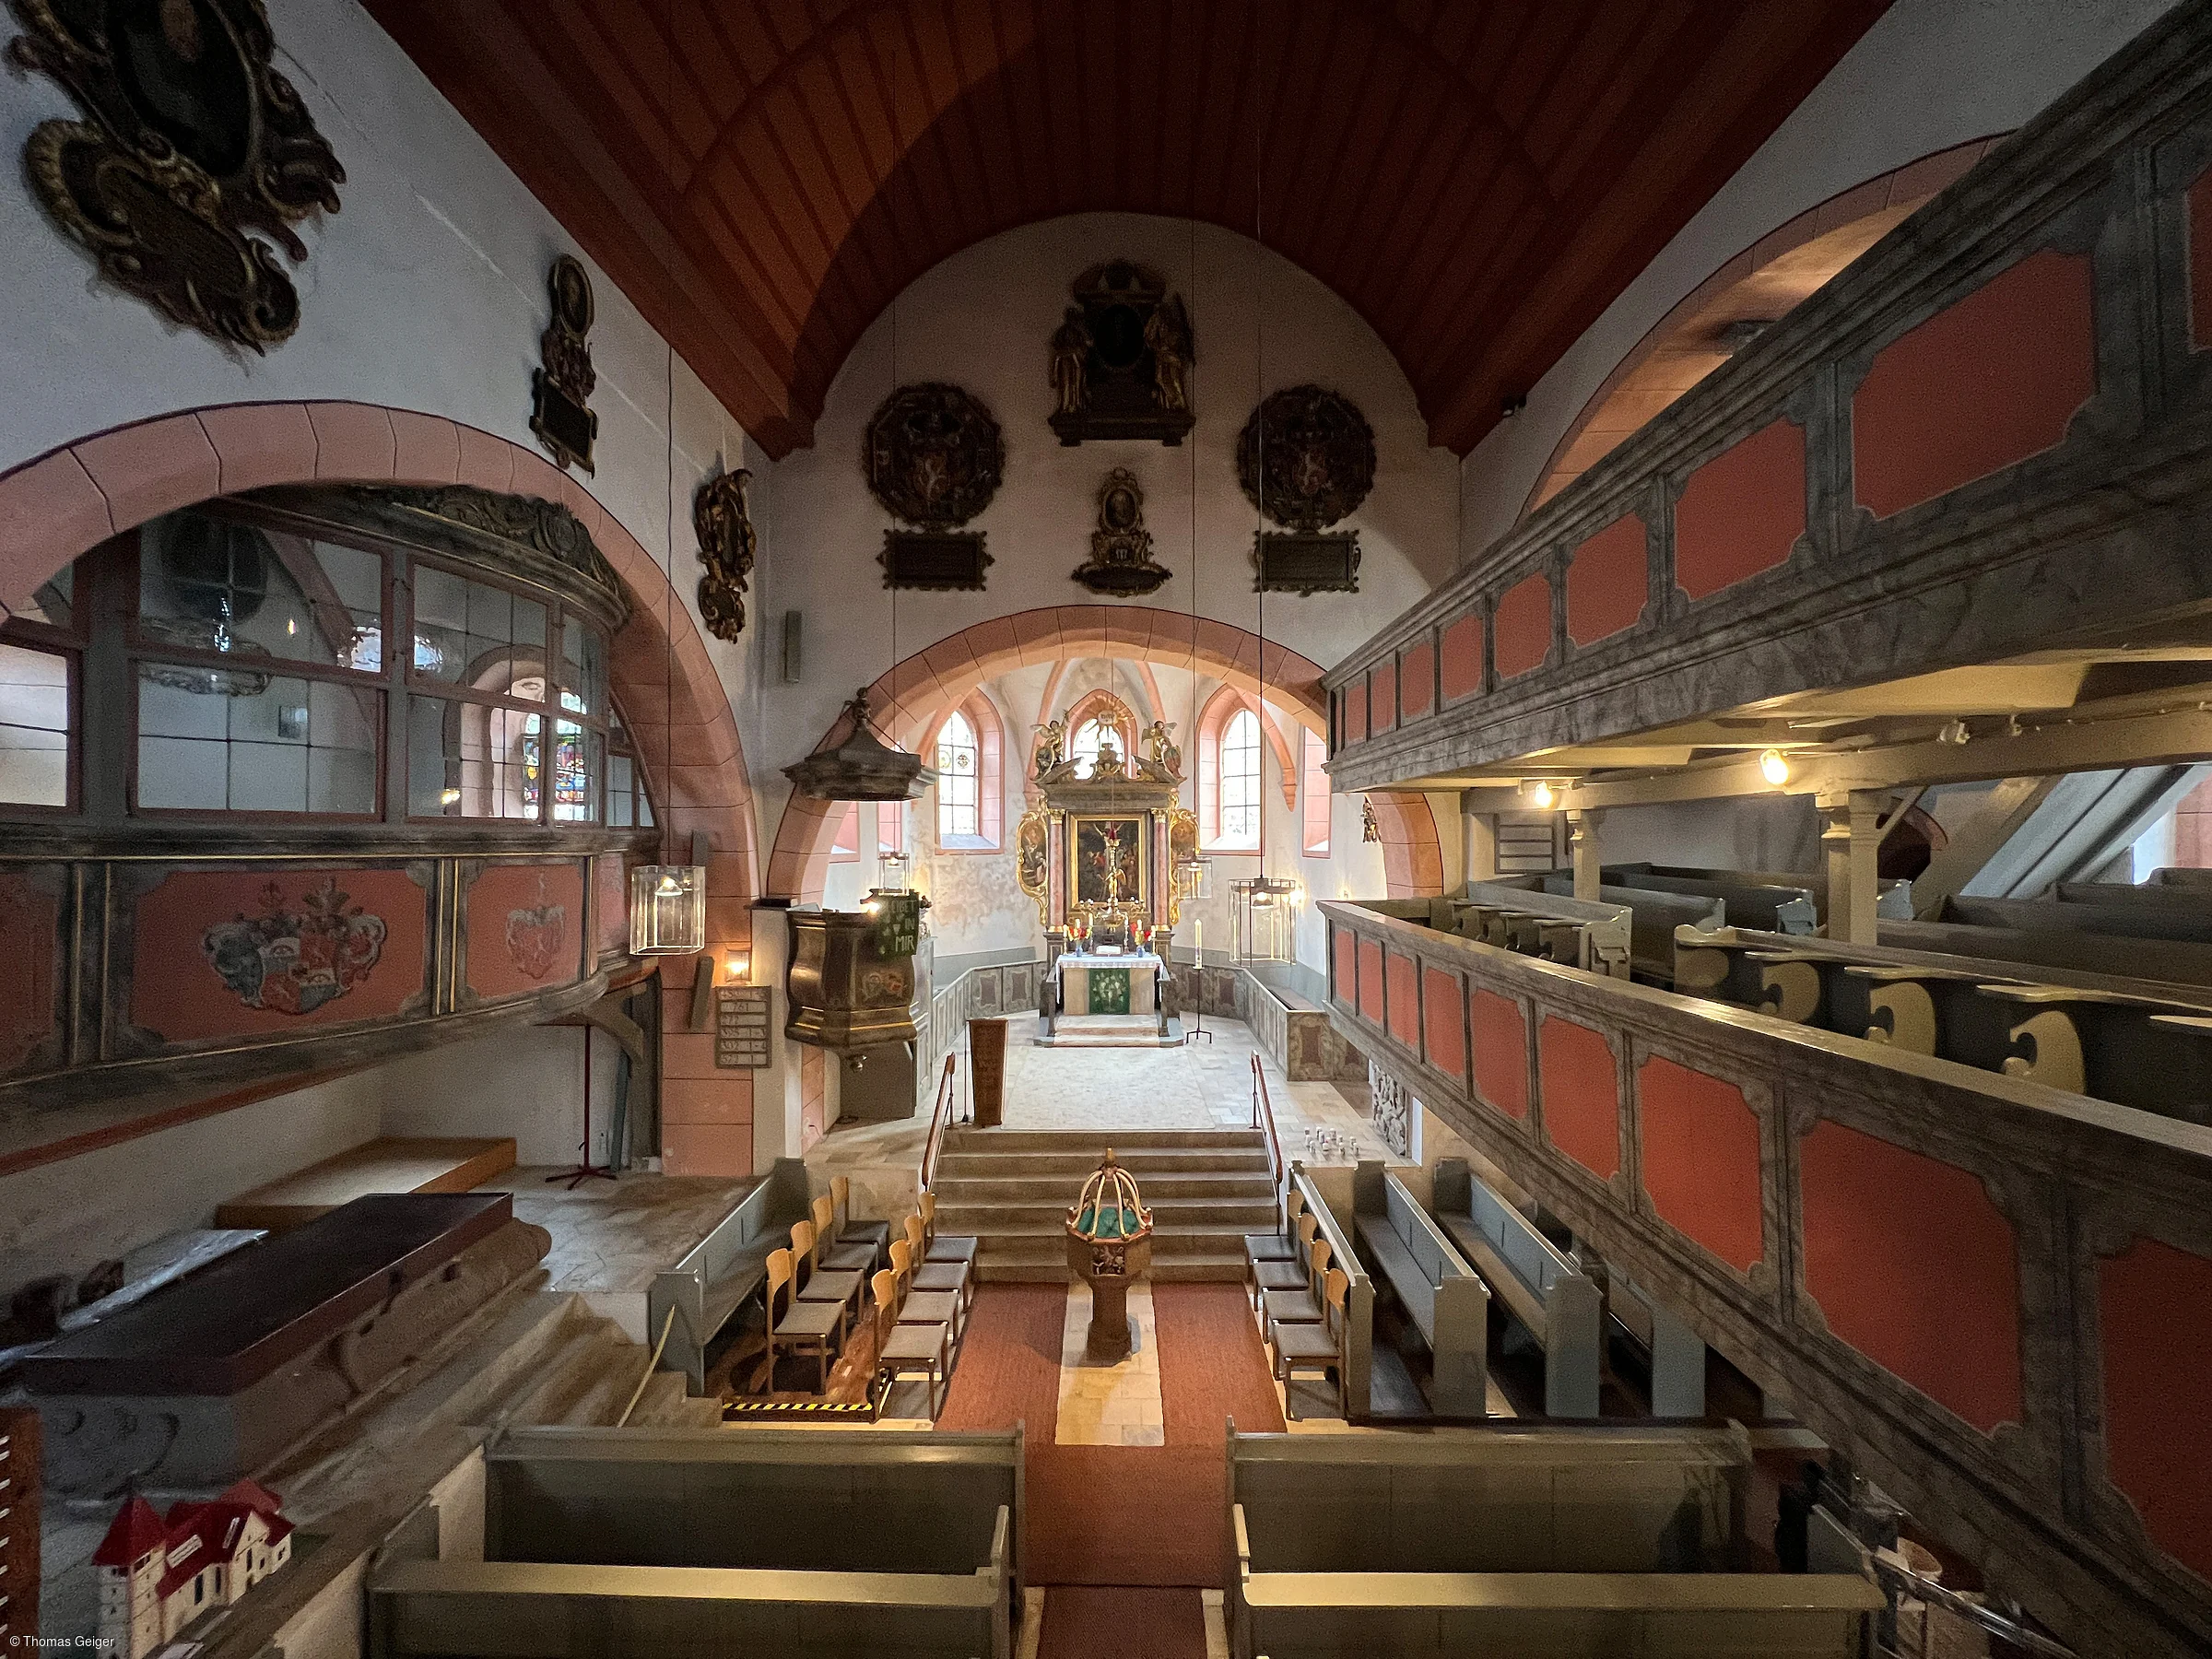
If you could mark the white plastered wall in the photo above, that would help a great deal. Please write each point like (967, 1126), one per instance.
(982, 319)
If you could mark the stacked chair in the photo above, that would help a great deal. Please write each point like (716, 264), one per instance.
(1265, 1275)
(845, 1230)
(1314, 1350)
(804, 1327)
(1281, 1246)
(907, 1344)
(943, 1247)
(957, 1276)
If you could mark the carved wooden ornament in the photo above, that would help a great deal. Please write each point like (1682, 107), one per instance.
(1120, 547)
(193, 140)
(726, 547)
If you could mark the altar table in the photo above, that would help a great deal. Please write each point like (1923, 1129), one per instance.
(1123, 983)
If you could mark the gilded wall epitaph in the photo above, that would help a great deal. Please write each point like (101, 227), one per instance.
(1120, 361)
(1120, 547)
(196, 155)
(560, 388)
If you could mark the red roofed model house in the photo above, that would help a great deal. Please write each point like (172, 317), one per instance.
(157, 1576)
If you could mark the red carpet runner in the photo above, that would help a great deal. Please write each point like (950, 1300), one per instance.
(1121, 1515)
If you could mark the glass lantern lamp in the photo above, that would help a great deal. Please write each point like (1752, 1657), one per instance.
(894, 873)
(1193, 878)
(1263, 919)
(667, 910)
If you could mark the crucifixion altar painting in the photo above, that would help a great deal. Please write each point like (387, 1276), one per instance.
(1110, 860)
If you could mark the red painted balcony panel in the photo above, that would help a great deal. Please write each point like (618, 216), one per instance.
(1916, 1267)
(1700, 1159)
(1404, 1002)
(1581, 1094)
(1462, 657)
(1417, 682)
(1382, 696)
(1345, 952)
(1741, 512)
(1500, 1034)
(1371, 981)
(1443, 1024)
(1521, 629)
(1607, 582)
(2154, 1313)
(1986, 383)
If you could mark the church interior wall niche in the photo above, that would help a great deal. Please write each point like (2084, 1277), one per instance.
(1120, 359)
(1120, 547)
(1306, 459)
(196, 155)
(934, 457)
(561, 385)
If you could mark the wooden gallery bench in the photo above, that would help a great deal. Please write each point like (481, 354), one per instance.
(716, 1544)
(1442, 1294)
(725, 1270)
(1565, 1541)
(1548, 1296)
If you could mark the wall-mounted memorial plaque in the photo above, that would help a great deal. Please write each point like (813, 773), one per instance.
(560, 413)
(1306, 459)
(933, 455)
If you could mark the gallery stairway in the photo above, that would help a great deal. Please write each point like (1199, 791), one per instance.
(1011, 1188)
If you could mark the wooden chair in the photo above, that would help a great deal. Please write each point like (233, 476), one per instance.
(956, 1276)
(820, 1285)
(943, 1247)
(830, 1256)
(1303, 1305)
(1314, 1348)
(919, 1307)
(910, 1350)
(876, 1234)
(805, 1328)
(1291, 1275)
(1277, 1246)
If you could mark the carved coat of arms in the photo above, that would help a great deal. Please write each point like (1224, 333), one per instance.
(292, 961)
(535, 933)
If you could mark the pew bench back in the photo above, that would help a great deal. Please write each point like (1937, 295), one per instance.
(1541, 1287)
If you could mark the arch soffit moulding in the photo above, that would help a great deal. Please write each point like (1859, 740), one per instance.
(916, 692)
(60, 505)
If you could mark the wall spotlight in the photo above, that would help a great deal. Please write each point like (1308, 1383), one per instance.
(1774, 768)
(1539, 795)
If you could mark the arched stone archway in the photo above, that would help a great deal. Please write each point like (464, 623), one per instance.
(69, 500)
(912, 695)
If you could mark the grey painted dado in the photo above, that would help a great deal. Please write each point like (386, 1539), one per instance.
(2111, 525)
(1974, 1283)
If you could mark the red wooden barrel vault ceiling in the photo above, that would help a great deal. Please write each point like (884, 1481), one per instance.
(1478, 178)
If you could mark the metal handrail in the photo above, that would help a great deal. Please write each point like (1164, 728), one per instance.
(937, 1120)
(1895, 1580)
(1261, 1107)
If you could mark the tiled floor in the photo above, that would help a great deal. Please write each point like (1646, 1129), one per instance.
(1116, 1405)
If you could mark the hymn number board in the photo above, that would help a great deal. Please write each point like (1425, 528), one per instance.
(740, 1028)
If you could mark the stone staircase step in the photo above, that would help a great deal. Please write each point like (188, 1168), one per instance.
(1067, 1140)
(962, 1190)
(1147, 1164)
(1039, 1243)
(1237, 1212)
(1195, 1269)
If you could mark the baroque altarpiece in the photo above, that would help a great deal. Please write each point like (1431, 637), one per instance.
(1098, 848)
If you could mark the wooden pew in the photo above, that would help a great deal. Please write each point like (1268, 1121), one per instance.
(1360, 1298)
(2124, 1040)
(1773, 904)
(1444, 1297)
(1547, 1295)
(1654, 916)
(718, 1543)
(1676, 1353)
(1559, 1540)
(1518, 914)
(723, 1270)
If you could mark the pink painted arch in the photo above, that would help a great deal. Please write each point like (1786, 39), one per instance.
(68, 502)
(911, 697)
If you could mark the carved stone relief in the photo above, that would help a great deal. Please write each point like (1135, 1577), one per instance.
(1306, 459)
(723, 517)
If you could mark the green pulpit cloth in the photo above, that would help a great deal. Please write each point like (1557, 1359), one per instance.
(1109, 990)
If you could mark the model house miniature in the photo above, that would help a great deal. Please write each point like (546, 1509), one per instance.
(157, 1576)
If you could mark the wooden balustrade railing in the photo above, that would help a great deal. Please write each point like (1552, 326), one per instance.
(1997, 1296)
(2007, 396)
